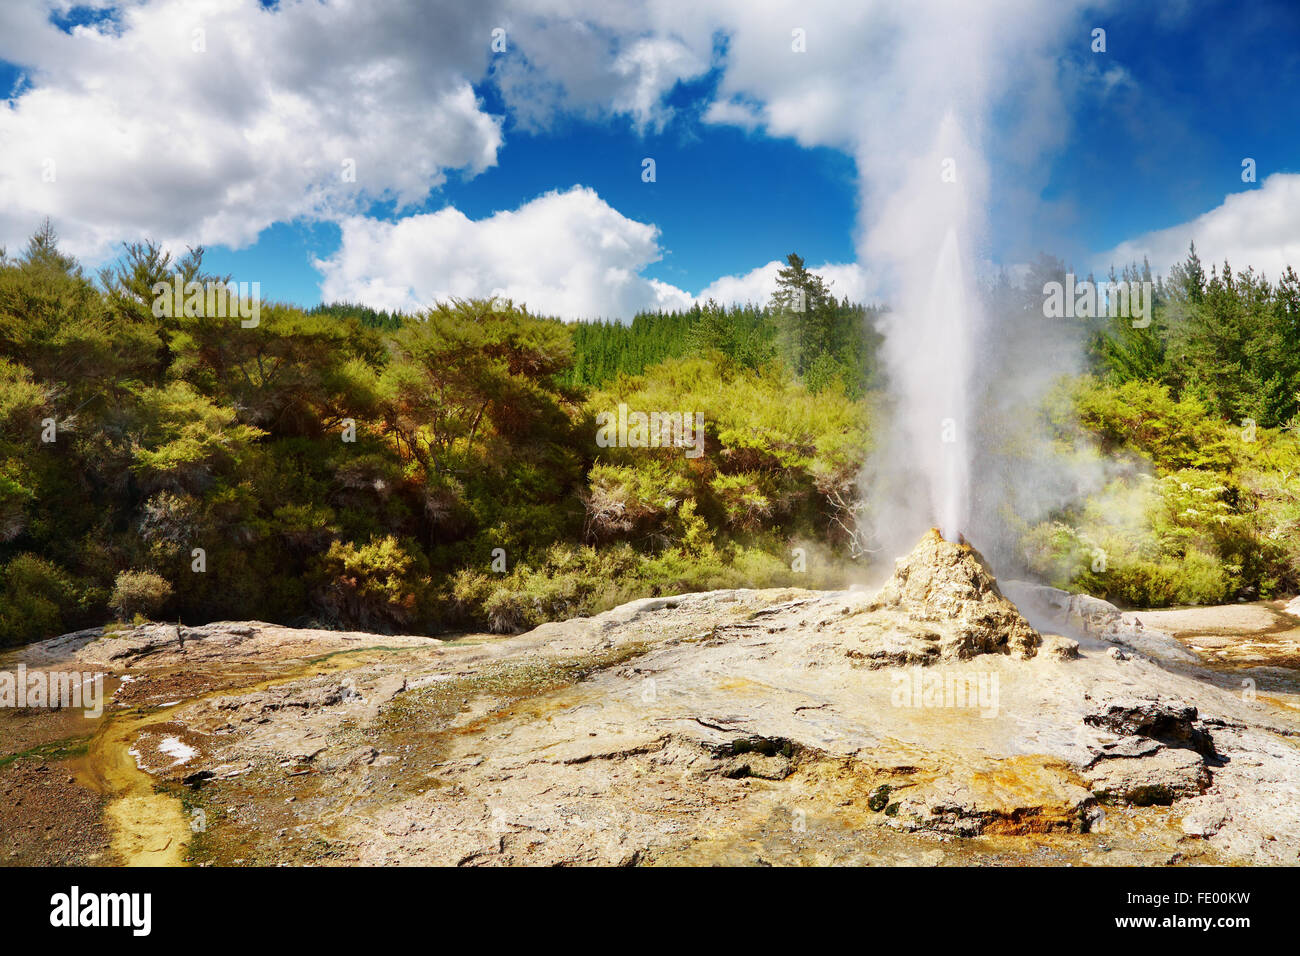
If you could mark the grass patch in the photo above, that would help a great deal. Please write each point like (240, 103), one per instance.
(59, 750)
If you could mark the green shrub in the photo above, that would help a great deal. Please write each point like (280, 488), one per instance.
(376, 586)
(139, 594)
(1197, 578)
(570, 581)
(33, 596)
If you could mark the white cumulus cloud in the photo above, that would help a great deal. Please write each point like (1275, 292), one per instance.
(564, 253)
(568, 254)
(205, 121)
(1258, 227)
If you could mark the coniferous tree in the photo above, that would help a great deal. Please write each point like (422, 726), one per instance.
(803, 302)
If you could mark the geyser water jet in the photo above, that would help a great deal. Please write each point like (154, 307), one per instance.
(925, 234)
(947, 319)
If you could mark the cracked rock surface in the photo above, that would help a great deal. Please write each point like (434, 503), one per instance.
(934, 722)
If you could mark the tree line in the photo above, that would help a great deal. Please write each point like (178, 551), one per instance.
(344, 466)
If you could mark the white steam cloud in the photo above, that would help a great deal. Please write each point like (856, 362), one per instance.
(924, 157)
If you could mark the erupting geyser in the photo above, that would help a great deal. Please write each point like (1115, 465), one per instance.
(930, 342)
(926, 232)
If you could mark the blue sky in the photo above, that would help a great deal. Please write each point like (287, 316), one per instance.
(1207, 90)
(759, 149)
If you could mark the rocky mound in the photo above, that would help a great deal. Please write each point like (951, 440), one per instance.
(942, 603)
